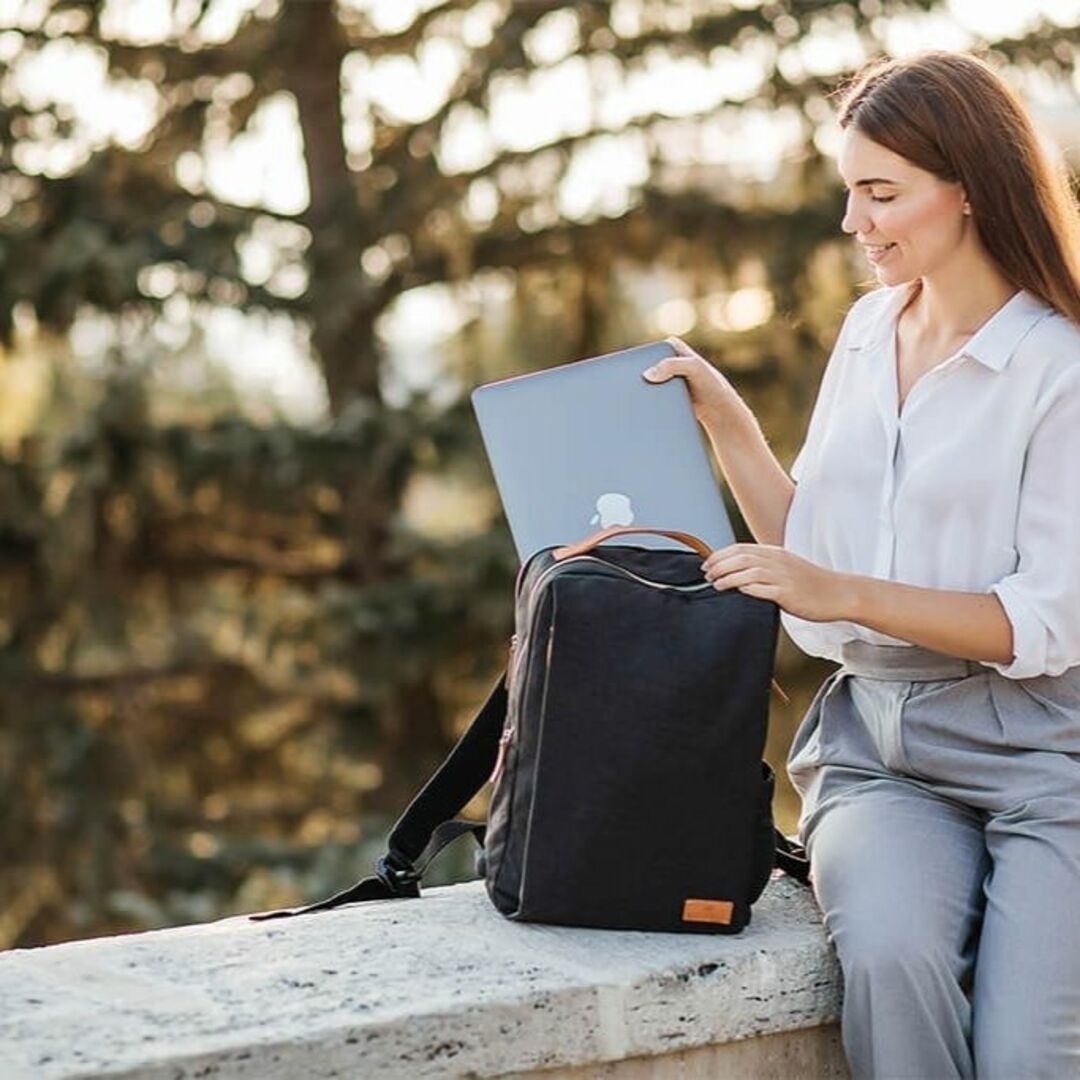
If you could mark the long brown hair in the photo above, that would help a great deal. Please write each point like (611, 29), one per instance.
(952, 115)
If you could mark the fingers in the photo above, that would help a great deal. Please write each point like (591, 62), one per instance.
(666, 369)
(744, 566)
(682, 363)
(744, 581)
(685, 366)
(771, 573)
(680, 346)
(736, 577)
(733, 557)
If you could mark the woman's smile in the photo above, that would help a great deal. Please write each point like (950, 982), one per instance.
(876, 252)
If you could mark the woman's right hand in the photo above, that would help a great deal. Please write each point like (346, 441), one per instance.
(710, 392)
(761, 487)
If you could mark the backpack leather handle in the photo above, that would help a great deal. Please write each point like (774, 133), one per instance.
(569, 551)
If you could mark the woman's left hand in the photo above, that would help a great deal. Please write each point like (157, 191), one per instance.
(801, 588)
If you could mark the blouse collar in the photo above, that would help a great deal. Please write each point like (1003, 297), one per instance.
(992, 345)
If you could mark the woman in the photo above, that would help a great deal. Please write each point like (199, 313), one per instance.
(928, 540)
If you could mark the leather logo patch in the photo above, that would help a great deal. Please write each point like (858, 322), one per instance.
(710, 911)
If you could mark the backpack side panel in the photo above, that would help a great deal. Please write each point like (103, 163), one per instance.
(509, 808)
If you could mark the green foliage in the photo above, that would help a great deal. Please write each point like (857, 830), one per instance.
(229, 648)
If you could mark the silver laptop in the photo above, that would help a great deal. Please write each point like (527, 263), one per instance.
(591, 444)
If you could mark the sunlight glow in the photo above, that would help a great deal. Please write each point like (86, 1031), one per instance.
(415, 331)
(74, 78)
(602, 176)
(390, 16)
(269, 357)
(551, 103)
(137, 21)
(593, 104)
(409, 91)
(479, 22)
(908, 34)
(555, 37)
(746, 308)
(676, 316)
(467, 143)
(264, 165)
(1012, 18)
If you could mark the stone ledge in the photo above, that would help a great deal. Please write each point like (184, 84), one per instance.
(440, 987)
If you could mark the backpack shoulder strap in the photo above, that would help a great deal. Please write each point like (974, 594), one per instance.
(791, 857)
(428, 824)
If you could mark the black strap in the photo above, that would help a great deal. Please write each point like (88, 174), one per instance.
(791, 857)
(455, 782)
(428, 824)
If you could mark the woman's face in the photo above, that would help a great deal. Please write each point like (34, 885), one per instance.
(909, 223)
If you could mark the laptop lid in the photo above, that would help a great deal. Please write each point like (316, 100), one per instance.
(579, 447)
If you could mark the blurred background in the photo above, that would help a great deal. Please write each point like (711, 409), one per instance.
(254, 254)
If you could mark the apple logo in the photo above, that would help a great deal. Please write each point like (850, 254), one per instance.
(612, 508)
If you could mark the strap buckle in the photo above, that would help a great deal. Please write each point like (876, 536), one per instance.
(400, 880)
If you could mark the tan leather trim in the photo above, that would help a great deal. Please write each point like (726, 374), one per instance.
(586, 545)
(720, 912)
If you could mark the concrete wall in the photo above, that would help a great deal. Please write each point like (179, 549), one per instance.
(439, 987)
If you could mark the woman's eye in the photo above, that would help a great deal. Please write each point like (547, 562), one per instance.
(882, 198)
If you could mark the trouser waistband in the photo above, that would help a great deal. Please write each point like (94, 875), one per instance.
(903, 663)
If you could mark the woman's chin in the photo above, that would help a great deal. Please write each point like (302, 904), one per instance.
(892, 275)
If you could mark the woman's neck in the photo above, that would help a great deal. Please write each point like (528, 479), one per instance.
(955, 302)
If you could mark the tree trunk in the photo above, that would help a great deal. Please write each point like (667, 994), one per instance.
(342, 305)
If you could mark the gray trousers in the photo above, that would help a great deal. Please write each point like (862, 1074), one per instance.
(941, 810)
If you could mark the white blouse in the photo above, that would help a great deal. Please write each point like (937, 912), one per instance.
(973, 485)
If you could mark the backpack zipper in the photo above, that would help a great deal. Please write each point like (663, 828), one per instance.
(618, 570)
(510, 728)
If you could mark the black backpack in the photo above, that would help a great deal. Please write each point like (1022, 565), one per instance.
(624, 742)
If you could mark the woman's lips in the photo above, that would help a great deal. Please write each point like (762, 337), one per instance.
(876, 252)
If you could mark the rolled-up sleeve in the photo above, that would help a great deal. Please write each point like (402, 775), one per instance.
(1042, 597)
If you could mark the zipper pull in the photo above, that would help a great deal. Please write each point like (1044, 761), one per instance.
(500, 758)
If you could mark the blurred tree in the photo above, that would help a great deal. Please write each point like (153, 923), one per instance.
(220, 636)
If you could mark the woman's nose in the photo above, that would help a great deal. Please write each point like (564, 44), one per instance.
(855, 219)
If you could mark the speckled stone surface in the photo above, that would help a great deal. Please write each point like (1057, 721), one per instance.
(443, 986)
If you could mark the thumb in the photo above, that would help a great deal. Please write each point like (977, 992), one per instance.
(665, 369)
(658, 373)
